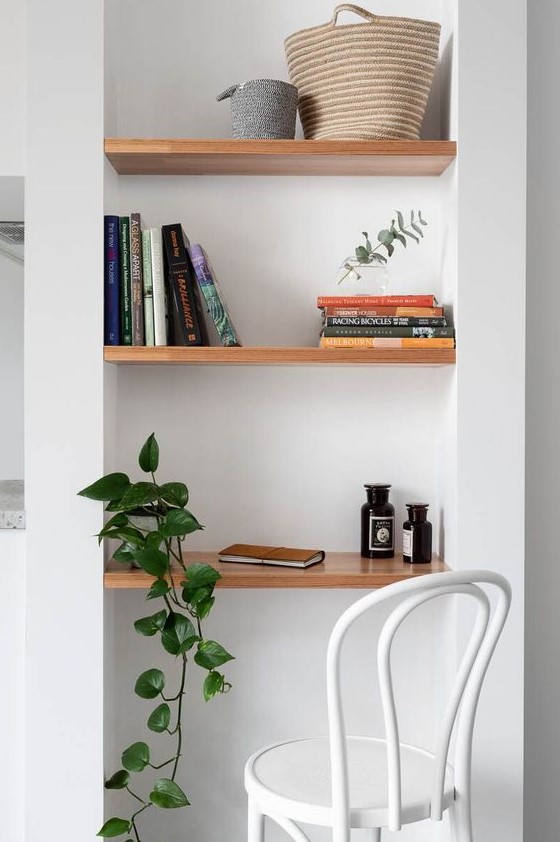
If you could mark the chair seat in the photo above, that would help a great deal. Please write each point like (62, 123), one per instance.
(293, 779)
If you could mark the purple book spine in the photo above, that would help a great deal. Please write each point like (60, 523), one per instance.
(112, 280)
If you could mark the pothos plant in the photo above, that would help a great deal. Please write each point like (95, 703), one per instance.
(397, 232)
(186, 598)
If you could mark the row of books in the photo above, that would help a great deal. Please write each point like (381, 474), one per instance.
(384, 321)
(157, 287)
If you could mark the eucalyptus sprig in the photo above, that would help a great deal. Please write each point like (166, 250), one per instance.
(387, 237)
(178, 623)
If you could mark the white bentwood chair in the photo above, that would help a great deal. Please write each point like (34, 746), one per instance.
(347, 782)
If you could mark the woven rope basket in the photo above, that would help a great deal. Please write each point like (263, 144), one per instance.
(363, 81)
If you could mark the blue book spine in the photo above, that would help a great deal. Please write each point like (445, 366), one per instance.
(212, 295)
(112, 280)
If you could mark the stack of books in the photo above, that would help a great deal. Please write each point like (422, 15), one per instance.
(157, 287)
(384, 321)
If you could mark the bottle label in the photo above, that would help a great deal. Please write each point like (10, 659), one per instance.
(380, 533)
(407, 542)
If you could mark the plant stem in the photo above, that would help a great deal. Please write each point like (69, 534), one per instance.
(141, 800)
(179, 714)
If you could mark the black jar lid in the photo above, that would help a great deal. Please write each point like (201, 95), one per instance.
(417, 505)
(377, 485)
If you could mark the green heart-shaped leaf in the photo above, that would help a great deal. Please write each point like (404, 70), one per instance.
(149, 455)
(119, 780)
(178, 634)
(139, 494)
(114, 827)
(136, 757)
(175, 493)
(159, 588)
(158, 720)
(211, 654)
(213, 684)
(168, 795)
(201, 575)
(153, 561)
(179, 522)
(148, 626)
(150, 684)
(110, 487)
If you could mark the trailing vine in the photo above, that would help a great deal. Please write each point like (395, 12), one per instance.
(151, 522)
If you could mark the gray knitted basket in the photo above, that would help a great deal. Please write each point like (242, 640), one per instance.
(262, 109)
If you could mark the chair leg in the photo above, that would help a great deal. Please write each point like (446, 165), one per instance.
(461, 823)
(255, 824)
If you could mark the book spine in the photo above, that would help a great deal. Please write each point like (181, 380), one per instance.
(211, 293)
(111, 277)
(149, 335)
(400, 332)
(384, 321)
(421, 312)
(158, 286)
(137, 293)
(376, 301)
(383, 342)
(124, 253)
(181, 284)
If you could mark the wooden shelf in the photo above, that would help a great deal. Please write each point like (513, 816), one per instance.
(173, 156)
(339, 570)
(280, 355)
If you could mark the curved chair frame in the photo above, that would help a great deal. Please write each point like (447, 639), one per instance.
(460, 710)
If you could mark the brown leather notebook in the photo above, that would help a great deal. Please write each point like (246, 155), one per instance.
(281, 556)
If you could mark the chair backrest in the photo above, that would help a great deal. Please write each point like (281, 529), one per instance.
(463, 700)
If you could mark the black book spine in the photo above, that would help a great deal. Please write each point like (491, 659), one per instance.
(401, 332)
(187, 325)
(385, 321)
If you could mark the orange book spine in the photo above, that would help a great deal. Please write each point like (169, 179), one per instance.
(383, 342)
(394, 312)
(376, 301)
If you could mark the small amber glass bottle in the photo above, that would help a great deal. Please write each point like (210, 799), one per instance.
(378, 521)
(417, 535)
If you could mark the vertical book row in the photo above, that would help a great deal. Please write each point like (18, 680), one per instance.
(160, 289)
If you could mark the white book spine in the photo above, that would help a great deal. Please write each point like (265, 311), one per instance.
(148, 289)
(158, 285)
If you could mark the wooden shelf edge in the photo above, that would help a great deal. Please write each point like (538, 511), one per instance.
(225, 156)
(279, 355)
(339, 570)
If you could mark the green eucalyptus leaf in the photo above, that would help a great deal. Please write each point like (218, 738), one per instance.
(386, 237)
(119, 780)
(136, 757)
(411, 217)
(201, 575)
(179, 522)
(362, 254)
(159, 719)
(154, 562)
(178, 634)
(368, 244)
(420, 220)
(114, 827)
(149, 455)
(378, 258)
(158, 589)
(148, 626)
(213, 684)
(149, 684)
(139, 494)
(400, 220)
(390, 248)
(168, 795)
(110, 487)
(400, 238)
(412, 236)
(417, 229)
(175, 493)
(211, 654)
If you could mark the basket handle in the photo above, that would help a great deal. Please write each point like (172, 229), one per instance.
(350, 7)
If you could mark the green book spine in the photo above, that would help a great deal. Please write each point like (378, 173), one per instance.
(126, 303)
(149, 334)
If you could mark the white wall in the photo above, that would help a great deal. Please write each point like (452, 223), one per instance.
(12, 72)
(64, 420)
(542, 652)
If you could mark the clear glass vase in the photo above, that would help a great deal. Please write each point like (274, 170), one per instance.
(355, 278)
